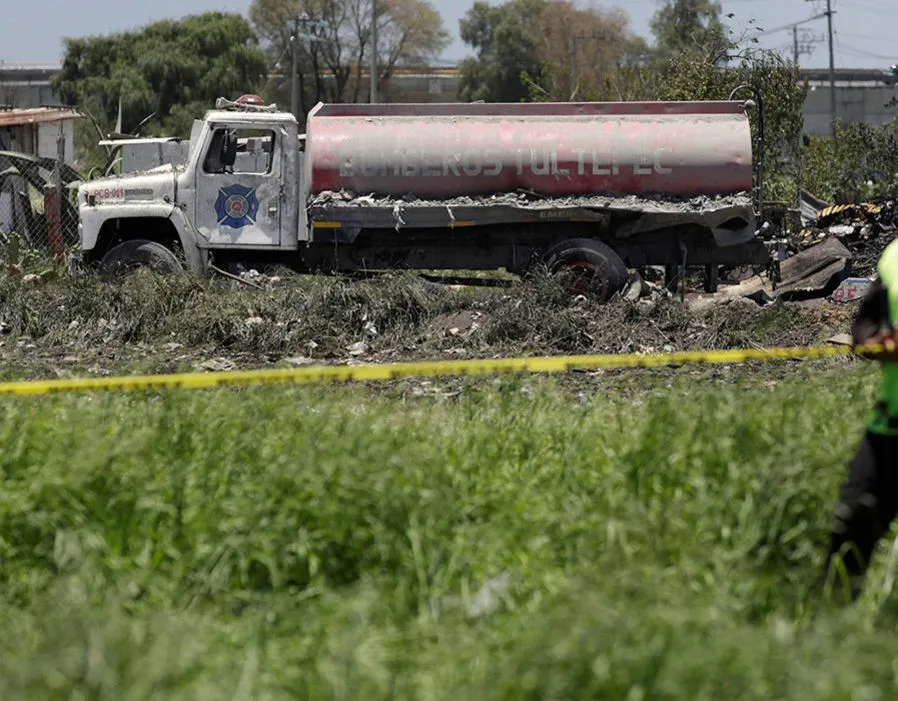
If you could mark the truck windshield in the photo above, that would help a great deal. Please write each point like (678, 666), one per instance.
(240, 150)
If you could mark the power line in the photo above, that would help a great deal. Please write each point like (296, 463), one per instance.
(789, 26)
(861, 53)
(876, 4)
(851, 51)
(870, 5)
(868, 37)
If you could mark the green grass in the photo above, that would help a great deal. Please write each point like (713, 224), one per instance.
(328, 543)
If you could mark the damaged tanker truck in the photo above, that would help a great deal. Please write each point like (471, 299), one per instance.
(591, 188)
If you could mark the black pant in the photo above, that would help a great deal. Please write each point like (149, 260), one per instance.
(868, 503)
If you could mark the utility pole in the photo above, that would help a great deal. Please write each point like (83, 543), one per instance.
(795, 45)
(373, 68)
(294, 90)
(832, 66)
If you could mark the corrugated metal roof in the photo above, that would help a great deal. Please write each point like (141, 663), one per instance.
(14, 118)
(30, 66)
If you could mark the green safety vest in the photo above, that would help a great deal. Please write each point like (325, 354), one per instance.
(887, 408)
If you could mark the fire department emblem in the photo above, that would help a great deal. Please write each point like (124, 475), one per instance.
(236, 206)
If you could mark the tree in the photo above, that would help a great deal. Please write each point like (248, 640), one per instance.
(504, 40)
(690, 26)
(408, 31)
(548, 49)
(173, 70)
(856, 162)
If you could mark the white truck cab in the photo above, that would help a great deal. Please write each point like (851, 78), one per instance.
(232, 192)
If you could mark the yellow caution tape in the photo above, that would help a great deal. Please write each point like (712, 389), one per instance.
(364, 373)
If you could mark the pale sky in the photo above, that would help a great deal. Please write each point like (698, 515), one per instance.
(865, 30)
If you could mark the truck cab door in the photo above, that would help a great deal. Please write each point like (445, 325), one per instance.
(239, 193)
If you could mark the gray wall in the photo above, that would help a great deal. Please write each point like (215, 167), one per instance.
(856, 102)
(26, 85)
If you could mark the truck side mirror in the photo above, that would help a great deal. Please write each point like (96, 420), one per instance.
(213, 155)
(228, 150)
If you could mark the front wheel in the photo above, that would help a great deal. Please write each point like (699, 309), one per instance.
(592, 267)
(140, 253)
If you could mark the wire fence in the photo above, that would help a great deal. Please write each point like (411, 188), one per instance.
(38, 201)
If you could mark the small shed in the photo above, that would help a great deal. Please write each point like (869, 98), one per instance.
(36, 131)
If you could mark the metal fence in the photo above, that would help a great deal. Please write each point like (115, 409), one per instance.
(38, 201)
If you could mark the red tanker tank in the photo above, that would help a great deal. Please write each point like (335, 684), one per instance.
(679, 149)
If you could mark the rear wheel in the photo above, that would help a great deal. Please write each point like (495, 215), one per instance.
(140, 253)
(590, 267)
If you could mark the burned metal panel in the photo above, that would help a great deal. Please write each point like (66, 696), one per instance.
(729, 226)
(731, 222)
(811, 273)
(678, 149)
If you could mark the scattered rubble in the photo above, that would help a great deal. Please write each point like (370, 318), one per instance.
(357, 348)
(851, 289)
(813, 272)
(216, 365)
(254, 277)
(832, 257)
(865, 229)
(460, 324)
(841, 339)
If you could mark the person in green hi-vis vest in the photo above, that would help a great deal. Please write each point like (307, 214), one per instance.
(868, 500)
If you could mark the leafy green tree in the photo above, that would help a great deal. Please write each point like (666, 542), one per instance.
(504, 41)
(173, 70)
(541, 49)
(690, 25)
(858, 161)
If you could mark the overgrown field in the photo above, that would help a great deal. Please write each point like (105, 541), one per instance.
(87, 326)
(621, 534)
(508, 542)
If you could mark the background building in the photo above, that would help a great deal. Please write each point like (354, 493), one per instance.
(24, 85)
(862, 95)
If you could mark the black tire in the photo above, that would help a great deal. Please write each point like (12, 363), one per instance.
(598, 271)
(140, 253)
